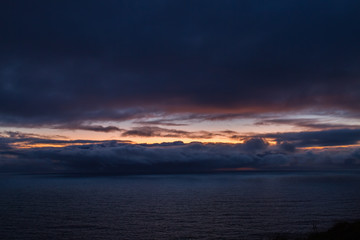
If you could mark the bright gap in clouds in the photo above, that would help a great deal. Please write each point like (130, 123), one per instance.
(183, 128)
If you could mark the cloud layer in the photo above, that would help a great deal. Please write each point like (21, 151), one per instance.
(151, 69)
(75, 61)
(113, 157)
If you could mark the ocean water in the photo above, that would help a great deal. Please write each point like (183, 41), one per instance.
(246, 205)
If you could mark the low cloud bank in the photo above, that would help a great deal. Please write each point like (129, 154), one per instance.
(112, 157)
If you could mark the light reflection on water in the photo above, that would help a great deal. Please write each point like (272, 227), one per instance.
(219, 206)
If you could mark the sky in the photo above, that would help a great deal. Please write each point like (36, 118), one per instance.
(179, 86)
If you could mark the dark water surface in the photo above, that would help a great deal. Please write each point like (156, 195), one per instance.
(251, 205)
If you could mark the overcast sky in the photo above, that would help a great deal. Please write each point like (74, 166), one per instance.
(281, 74)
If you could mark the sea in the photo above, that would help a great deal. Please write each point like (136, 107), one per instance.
(241, 205)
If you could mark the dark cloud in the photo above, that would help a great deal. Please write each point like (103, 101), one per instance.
(72, 64)
(66, 61)
(10, 138)
(187, 118)
(318, 138)
(4, 145)
(255, 144)
(95, 128)
(164, 132)
(162, 122)
(287, 147)
(112, 157)
(307, 123)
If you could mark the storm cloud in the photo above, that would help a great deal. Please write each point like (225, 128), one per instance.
(112, 157)
(190, 70)
(75, 61)
(318, 138)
